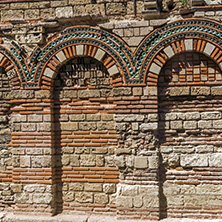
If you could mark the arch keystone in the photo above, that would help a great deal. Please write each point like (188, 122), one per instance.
(188, 44)
(80, 50)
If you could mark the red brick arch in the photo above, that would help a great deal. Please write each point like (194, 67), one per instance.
(61, 57)
(210, 49)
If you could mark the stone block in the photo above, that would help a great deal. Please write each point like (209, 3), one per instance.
(176, 124)
(87, 126)
(190, 124)
(44, 198)
(150, 91)
(169, 116)
(101, 198)
(148, 126)
(95, 187)
(85, 94)
(129, 190)
(84, 197)
(32, 14)
(120, 161)
(65, 160)
(175, 200)
(205, 149)
(150, 201)
(76, 186)
(68, 196)
(61, 57)
(188, 44)
(215, 160)
(120, 126)
(169, 189)
(216, 90)
(194, 160)
(153, 117)
(107, 117)
(87, 160)
(49, 73)
(7, 15)
(35, 118)
(138, 201)
(47, 13)
(192, 115)
(158, 22)
(135, 126)
(99, 54)
(77, 2)
(25, 161)
(69, 126)
(200, 90)
(74, 160)
(217, 124)
(126, 202)
(100, 160)
(211, 115)
(16, 188)
(80, 50)
(169, 51)
(141, 162)
(205, 124)
(42, 4)
(154, 68)
(43, 94)
(72, 94)
(122, 91)
(59, 3)
(93, 117)
(133, 41)
(115, 9)
(153, 162)
(64, 11)
(179, 91)
(109, 188)
(21, 94)
(137, 91)
(77, 117)
(209, 48)
(44, 127)
(129, 118)
(28, 127)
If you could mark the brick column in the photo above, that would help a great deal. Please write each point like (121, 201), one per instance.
(32, 151)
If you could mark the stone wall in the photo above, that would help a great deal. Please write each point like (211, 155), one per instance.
(111, 108)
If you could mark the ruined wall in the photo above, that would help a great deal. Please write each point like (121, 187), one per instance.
(111, 108)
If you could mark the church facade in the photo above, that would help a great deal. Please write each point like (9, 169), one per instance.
(111, 107)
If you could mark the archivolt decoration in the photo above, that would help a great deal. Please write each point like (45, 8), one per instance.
(134, 67)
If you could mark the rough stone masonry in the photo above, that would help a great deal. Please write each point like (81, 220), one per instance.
(110, 110)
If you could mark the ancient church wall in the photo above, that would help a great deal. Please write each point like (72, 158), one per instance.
(111, 107)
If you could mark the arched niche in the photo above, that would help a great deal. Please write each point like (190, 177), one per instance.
(85, 136)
